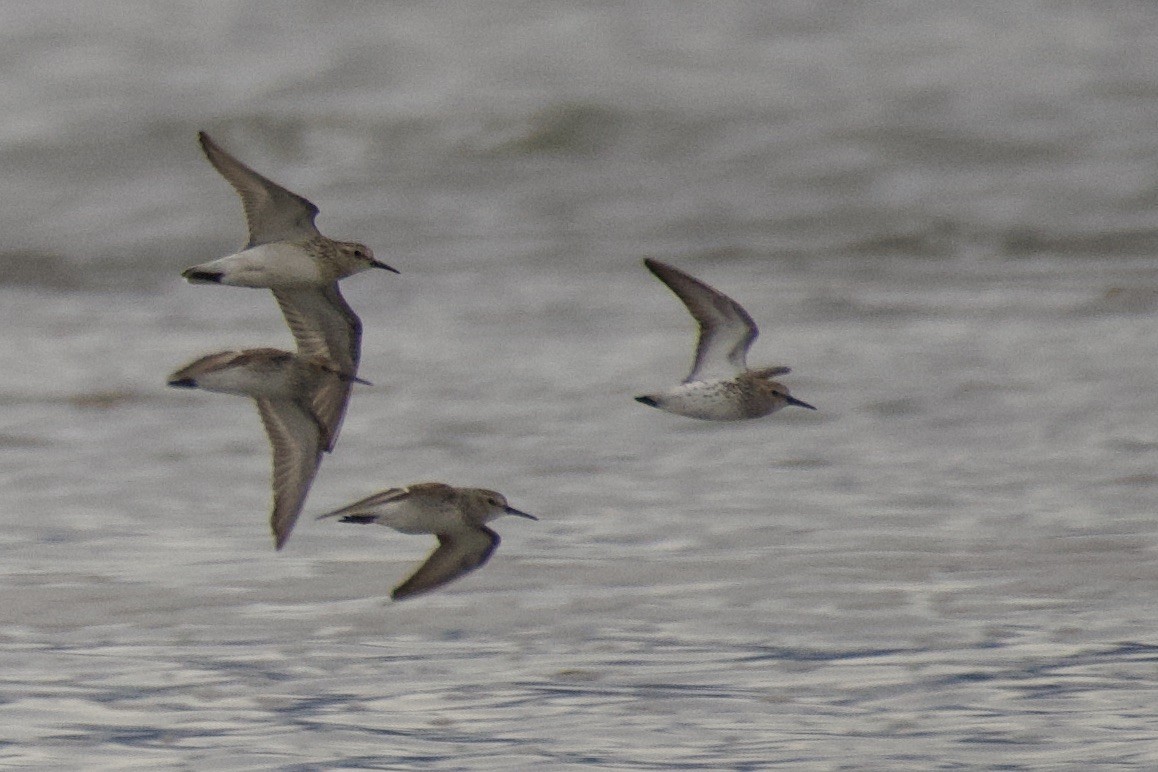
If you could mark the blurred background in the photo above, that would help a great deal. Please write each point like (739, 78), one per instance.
(942, 216)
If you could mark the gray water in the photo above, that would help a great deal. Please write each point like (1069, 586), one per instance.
(941, 214)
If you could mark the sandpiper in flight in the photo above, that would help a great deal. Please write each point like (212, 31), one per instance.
(720, 387)
(457, 516)
(288, 255)
(281, 384)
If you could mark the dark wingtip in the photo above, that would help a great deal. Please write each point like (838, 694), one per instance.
(658, 268)
(205, 277)
(183, 383)
(206, 142)
(649, 401)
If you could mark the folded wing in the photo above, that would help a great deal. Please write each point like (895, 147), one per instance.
(367, 505)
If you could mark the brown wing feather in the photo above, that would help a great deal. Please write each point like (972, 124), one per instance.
(296, 440)
(457, 554)
(366, 505)
(726, 329)
(325, 326)
(272, 213)
(440, 491)
(211, 362)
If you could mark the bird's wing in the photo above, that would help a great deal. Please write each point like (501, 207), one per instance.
(272, 213)
(726, 329)
(296, 440)
(367, 505)
(209, 363)
(325, 326)
(456, 554)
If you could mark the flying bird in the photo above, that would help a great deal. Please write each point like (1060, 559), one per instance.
(288, 255)
(457, 516)
(281, 383)
(720, 387)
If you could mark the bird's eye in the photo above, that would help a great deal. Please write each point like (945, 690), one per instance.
(359, 253)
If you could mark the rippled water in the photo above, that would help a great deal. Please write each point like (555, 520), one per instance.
(941, 215)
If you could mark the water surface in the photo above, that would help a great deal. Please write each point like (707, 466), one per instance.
(941, 216)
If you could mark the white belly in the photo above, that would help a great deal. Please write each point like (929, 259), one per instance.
(275, 265)
(403, 516)
(709, 400)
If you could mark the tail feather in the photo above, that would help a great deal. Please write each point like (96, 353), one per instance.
(363, 519)
(199, 276)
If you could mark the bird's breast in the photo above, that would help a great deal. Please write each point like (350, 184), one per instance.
(715, 400)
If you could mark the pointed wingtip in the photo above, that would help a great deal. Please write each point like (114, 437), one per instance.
(404, 591)
(281, 532)
(655, 266)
